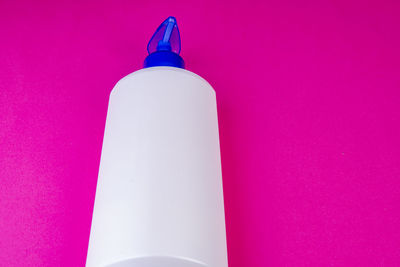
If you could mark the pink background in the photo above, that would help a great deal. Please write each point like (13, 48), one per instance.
(309, 109)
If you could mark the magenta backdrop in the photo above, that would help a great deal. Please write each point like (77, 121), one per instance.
(309, 109)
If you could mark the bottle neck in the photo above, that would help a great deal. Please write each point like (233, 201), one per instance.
(164, 58)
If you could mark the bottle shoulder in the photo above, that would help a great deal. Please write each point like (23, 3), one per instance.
(163, 71)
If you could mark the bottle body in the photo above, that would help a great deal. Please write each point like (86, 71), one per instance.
(159, 197)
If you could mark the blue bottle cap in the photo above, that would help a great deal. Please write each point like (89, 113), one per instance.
(164, 46)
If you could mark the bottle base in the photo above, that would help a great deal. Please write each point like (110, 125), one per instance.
(158, 261)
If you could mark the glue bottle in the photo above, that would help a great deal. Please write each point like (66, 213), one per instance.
(159, 197)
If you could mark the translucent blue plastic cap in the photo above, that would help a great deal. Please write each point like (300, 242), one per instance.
(164, 46)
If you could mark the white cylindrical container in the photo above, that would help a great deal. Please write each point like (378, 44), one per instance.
(159, 199)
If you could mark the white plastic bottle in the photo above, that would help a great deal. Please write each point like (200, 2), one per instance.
(159, 197)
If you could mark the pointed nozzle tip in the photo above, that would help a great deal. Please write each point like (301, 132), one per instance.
(171, 19)
(166, 37)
